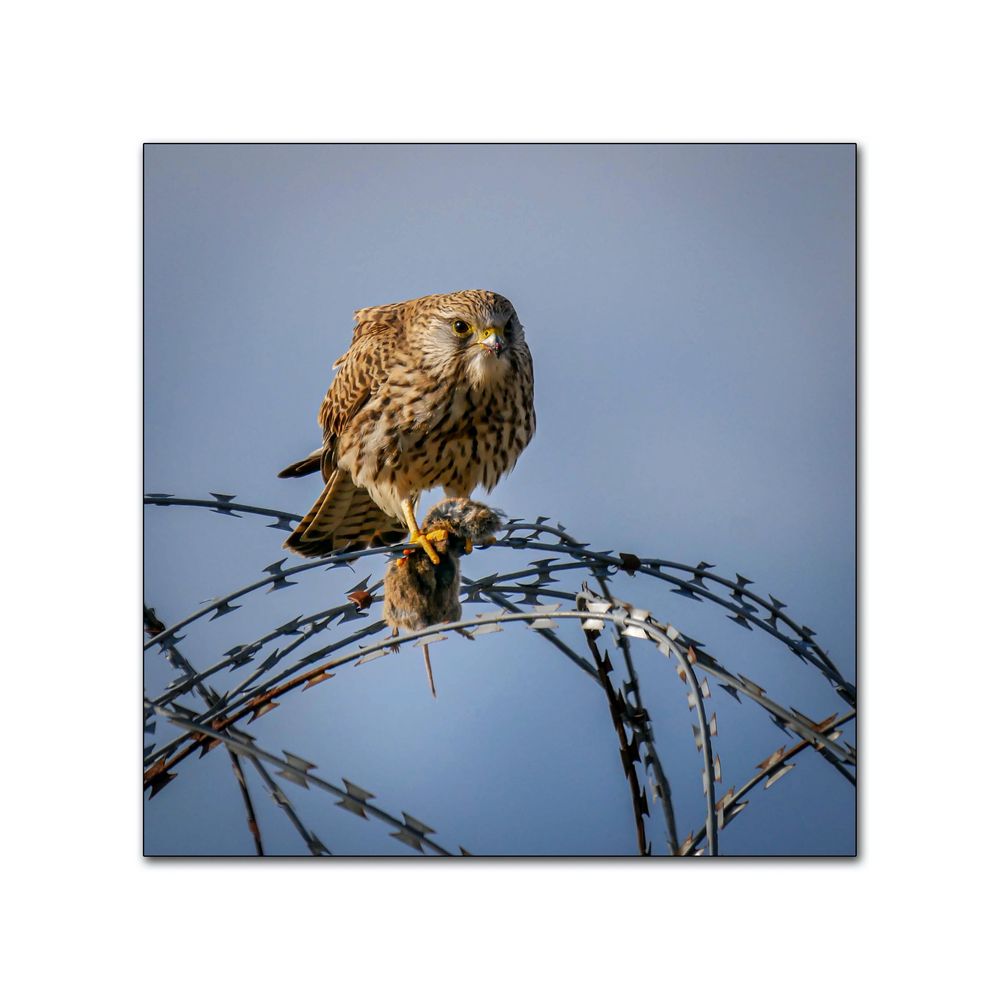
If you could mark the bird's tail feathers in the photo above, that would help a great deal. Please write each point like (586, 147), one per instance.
(304, 466)
(344, 517)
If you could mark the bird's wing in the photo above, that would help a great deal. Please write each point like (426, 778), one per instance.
(390, 315)
(360, 373)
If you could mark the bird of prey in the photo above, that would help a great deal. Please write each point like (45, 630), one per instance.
(419, 593)
(435, 391)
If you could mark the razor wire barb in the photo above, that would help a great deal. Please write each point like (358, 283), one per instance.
(516, 596)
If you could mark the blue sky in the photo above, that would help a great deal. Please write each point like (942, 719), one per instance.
(690, 311)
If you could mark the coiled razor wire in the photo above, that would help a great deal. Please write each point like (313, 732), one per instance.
(215, 721)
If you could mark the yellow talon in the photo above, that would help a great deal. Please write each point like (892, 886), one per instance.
(417, 537)
(468, 545)
(424, 542)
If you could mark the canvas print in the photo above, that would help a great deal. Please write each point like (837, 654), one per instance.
(499, 500)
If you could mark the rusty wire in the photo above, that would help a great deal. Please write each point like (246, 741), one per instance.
(260, 687)
(211, 698)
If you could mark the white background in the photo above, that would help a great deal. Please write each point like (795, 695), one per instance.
(84, 85)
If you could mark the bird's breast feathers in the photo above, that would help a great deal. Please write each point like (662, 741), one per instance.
(413, 435)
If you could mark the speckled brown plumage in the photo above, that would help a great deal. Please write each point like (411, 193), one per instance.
(419, 593)
(436, 391)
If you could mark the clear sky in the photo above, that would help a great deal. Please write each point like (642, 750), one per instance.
(690, 311)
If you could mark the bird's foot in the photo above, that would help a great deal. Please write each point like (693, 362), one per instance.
(468, 545)
(406, 555)
(426, 542)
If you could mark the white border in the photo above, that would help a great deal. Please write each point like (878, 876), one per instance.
(87, 83)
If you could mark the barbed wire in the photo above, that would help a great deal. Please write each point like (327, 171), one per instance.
(260, 686)
(746, 612)
(296, 770)
(178, 660)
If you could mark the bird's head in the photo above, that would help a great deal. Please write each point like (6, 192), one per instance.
(477, 328)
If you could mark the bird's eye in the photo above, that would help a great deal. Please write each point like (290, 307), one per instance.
(460, 327)
(509, 327)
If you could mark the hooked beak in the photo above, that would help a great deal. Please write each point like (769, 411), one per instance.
(492, 340)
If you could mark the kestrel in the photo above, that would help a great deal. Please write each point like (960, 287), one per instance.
(436, 391)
